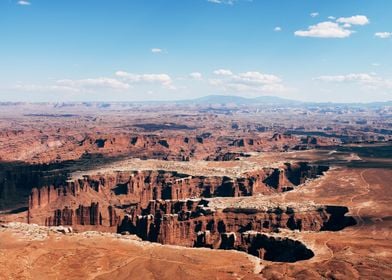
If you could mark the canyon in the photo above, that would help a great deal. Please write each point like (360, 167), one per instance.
(205, 182)
(173, 208)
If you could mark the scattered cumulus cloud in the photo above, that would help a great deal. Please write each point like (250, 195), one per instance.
(24, 3)
(370, 80)
(121, 82)
(277, 29)
(248, 82)
(94, 83)
(43, 88)
(331, 17)
(196, 76)
(314, 14)
(156, 50)
(346, 78)
(163, 79)
(354, 20)
(329, 29)
(223, 72)
(383, 35)
(254, 77)
(326, 29)
(227, 2)
(76, 86)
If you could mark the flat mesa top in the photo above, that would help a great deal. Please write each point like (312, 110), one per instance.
(236, 168)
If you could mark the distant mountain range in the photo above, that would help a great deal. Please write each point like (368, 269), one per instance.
(269, 100)
(214, 100)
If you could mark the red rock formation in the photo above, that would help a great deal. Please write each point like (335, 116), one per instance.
(155, 205)
(65, 144)
(102, 200)
(192, 223)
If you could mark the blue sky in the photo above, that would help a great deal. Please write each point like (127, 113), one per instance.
(124, 50)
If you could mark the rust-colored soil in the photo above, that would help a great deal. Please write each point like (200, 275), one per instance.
(76, 257)
(231, 180)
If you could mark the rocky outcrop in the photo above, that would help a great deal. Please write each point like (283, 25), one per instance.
(83, 215)
(292, 175)
(193, 223)
(99, 199)
(228, 156)
(63, 144)
(174, 208)
(35, 232)
(17, 180)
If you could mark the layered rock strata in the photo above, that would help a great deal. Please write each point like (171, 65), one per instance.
(178, 209)
(99, 199)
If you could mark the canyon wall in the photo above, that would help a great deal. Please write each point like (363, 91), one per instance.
(173, 208)
(59, 145)
(193, 223)
(124, 191)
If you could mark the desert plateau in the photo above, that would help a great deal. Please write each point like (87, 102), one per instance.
(195, 140)
(149, 192)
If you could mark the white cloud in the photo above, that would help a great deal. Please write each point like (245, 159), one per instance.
(43, 88)
(326, 29)
(370, 80)
(383, 35)
(354, 20)
(156, 50)
(163, 79)
(315, 14)
(94, 83)
(249, 82)
(256, 78)
(223, 72)
(331, 29)
(124, 82)
(196, 75)
(24, 3)
(346, 78)
(277, 29)
(229, 2)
